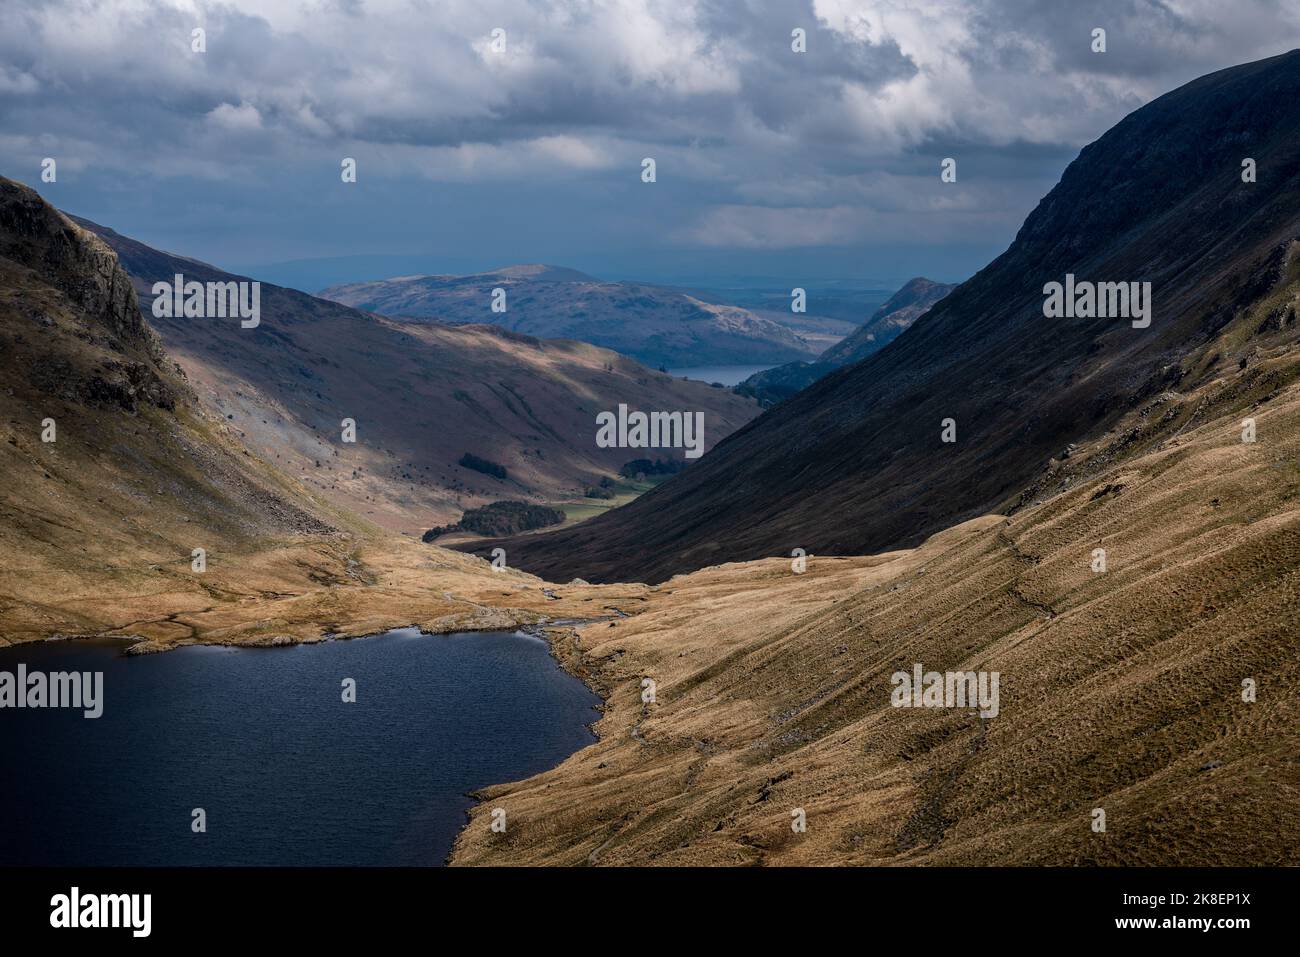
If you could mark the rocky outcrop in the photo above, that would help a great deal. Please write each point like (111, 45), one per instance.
(122, 361)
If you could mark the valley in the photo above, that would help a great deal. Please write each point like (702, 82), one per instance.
(1097, 520)
(421, 395)
(857, 462)
(886, 324)
(145, 465)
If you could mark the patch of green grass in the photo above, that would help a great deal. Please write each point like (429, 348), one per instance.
(625, 490)
(580, 509)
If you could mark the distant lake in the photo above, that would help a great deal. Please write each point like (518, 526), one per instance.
(727, 375)
(261, 740)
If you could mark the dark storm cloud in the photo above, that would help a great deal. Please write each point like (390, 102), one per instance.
(236, 150)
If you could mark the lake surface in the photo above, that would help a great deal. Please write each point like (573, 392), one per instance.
(727, 375)
(261, 740)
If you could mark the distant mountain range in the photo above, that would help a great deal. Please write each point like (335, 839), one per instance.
(887, 323)
(657, 325)
(422, 395)
(987, 403)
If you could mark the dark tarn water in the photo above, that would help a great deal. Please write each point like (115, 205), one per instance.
(262, 741)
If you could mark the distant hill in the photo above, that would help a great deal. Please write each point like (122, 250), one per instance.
(888, 322)
(423, 396)
(902, 309)
(857, 462)
(657, 325)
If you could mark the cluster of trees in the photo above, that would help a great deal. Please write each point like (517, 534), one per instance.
(500, 518)
(486, 466)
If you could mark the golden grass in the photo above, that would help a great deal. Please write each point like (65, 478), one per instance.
(1119, 690)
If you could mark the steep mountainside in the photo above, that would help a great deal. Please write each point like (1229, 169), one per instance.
(422, 396)
(1120, 690)
(885, 325)
(857, 462)
(114, 473)
(657, 325)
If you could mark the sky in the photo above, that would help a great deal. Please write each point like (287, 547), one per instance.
(771, 165)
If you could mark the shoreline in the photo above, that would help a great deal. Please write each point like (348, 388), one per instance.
(303, 591)
(550, 633)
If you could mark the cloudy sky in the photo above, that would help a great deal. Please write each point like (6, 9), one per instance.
(770, 163)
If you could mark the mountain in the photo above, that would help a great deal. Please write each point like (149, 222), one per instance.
(113, 473)
(655, 324)
(1121, 691)
(891, 320)
(885, 325)
(857, 462)
(116, 470)
(422, 395)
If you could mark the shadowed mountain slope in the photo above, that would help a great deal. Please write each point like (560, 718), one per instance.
(115, 472)
(422, 396)
(856, 462)
(655, 324)
(885, 325)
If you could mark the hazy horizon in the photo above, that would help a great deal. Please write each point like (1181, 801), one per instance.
(314, 275)
(791, 167)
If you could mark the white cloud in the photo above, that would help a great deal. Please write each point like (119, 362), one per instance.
(572, 152)
(241, 119)
(821, 147)
(881, 77)
(309, 122)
